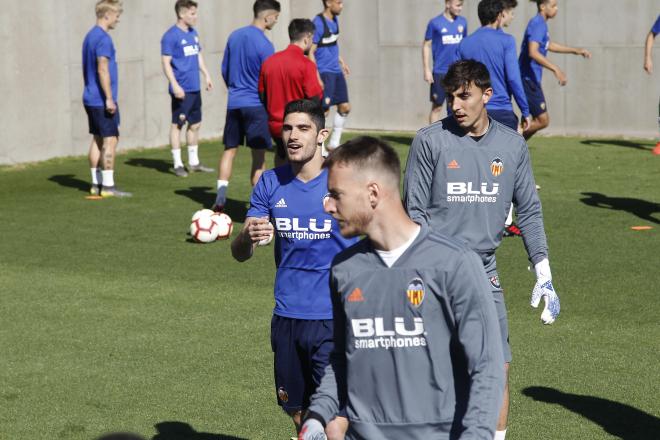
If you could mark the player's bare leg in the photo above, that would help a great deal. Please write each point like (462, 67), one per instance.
(175, 142)
(192, 137)
(339, 120)
(436, 113)
(95, 147)
(108, 160)
(258, 165)
(225, 168)
(538, 123)
(336, 429)
(504, 410)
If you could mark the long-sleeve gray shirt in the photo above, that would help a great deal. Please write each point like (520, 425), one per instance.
(463, 187)
(417, 346)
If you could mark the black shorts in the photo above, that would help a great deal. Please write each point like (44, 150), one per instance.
(438, 95)
(335, 90)
(535, 97)
(187, 110)
(247, 125)
(102, 123)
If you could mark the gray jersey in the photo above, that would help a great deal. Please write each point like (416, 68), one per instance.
(463, 187)
(417, 347)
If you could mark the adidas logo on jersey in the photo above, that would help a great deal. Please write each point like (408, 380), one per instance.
(281, 203)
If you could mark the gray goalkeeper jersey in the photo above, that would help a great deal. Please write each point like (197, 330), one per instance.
(463, 187)
(417, 347)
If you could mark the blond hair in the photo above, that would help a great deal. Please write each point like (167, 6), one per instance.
(104, 6)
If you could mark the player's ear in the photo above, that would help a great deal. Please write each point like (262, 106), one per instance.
(374, 193)
(486, 95)
(322, 136)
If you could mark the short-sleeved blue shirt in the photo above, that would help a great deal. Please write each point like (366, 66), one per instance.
(306, 241)
(247, 48)
(655, 30)
(445, 36)
(537, 30)
(98, 43)
(327, 57)
(184, 49)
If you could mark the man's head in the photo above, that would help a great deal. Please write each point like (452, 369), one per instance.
(301, 32)
(508, 12)
(548, 8)
(489, 11)
(186, 11)
(468, 88)
(363, 182)
(334, 6)
(268, 11)
(108, 12)
(303, 130)
(454, 7)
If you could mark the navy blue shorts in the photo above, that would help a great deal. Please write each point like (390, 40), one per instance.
(102, 123)
(187, 110)
(302, 351)
(438, 95)
(335, 90)
(535, 97)
(505, 117)
(247, 125)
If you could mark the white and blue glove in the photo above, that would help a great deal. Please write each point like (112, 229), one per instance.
(544, 289)
(312, 429)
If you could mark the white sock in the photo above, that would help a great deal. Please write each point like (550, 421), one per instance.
(337, 128)
(509, 218)
(95, 175)
(176, 155)
(193, 158)
(108, 178)
(499, 435)
(221, 197)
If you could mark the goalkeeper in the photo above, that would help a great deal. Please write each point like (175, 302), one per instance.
(462, 175)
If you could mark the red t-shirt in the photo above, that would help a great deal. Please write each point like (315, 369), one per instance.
(287, 76)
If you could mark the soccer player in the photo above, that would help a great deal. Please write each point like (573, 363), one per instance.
(443, 33)
(306, 240)
(648, 64)
(536, 44)
(333, 69)
(497, 51)
(247, 121)
(100, 98)
(288, 76)
(181, 56)
(417, 352)
(462, 175)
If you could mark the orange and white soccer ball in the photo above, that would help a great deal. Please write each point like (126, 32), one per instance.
(225, 225)
(202, 213)
(204, 229)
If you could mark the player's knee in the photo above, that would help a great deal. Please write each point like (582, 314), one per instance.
(344, 109)
(543, 120)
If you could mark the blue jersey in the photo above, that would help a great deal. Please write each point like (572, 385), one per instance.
(306, 241)
(445, 36)
(247, 49)
(497, 50)
(97, 44)
(327, 51)
(184, 49)
(655, 30)
(537, 30)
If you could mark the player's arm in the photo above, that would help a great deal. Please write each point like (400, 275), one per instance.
(418, 178)
(514, 81)
(254, 230)
(344, 67)
(648, 53)
(478, 333)
(103, 69)
(560, 48)
(205, 72)
(537, 56)
(166, 61)
(224, 68)
(426, 61)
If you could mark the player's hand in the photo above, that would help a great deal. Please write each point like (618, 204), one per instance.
(209, 84)
(584, 52)
(561, 77)
(345, 68)
(260, 229)
(428, 76)
(525, 123)
(110, 106)
(648, 65)
(178, 92)
(312, 429)
(544, 289)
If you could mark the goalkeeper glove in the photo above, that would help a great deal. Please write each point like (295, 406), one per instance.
(544, 289)
(312, 429)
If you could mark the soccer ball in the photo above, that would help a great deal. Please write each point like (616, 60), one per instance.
(202, 213)
(204, 229)
(225, 225)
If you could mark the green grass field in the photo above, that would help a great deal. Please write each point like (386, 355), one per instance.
(111, 320)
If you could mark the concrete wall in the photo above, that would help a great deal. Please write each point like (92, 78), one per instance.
(41, 80)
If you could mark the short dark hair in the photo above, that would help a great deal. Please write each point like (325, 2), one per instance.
(488, 10)
(265, 5)
(311, 108)
(540, 2)
(183, 4)
(510, 4)
(299, 27)
(464, 72)
(366, 152)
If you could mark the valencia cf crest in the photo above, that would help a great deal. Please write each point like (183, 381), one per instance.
(495, 282)
(496, 166)
(542, 106)
(460, 28)
(415, 292)
(283, 395)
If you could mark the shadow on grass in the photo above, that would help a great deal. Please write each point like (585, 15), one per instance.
(396, 139)
(640, 208)
(618, 143)
(205, 196)
(618, 419)
(160, 165)
(171, 431)
(70, 182)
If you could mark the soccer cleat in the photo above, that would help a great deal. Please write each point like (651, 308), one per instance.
(218, 208)
(656, 149)
(180, 172)
(199, 168)
(112, 191)
(94, 190)
(512, 231)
